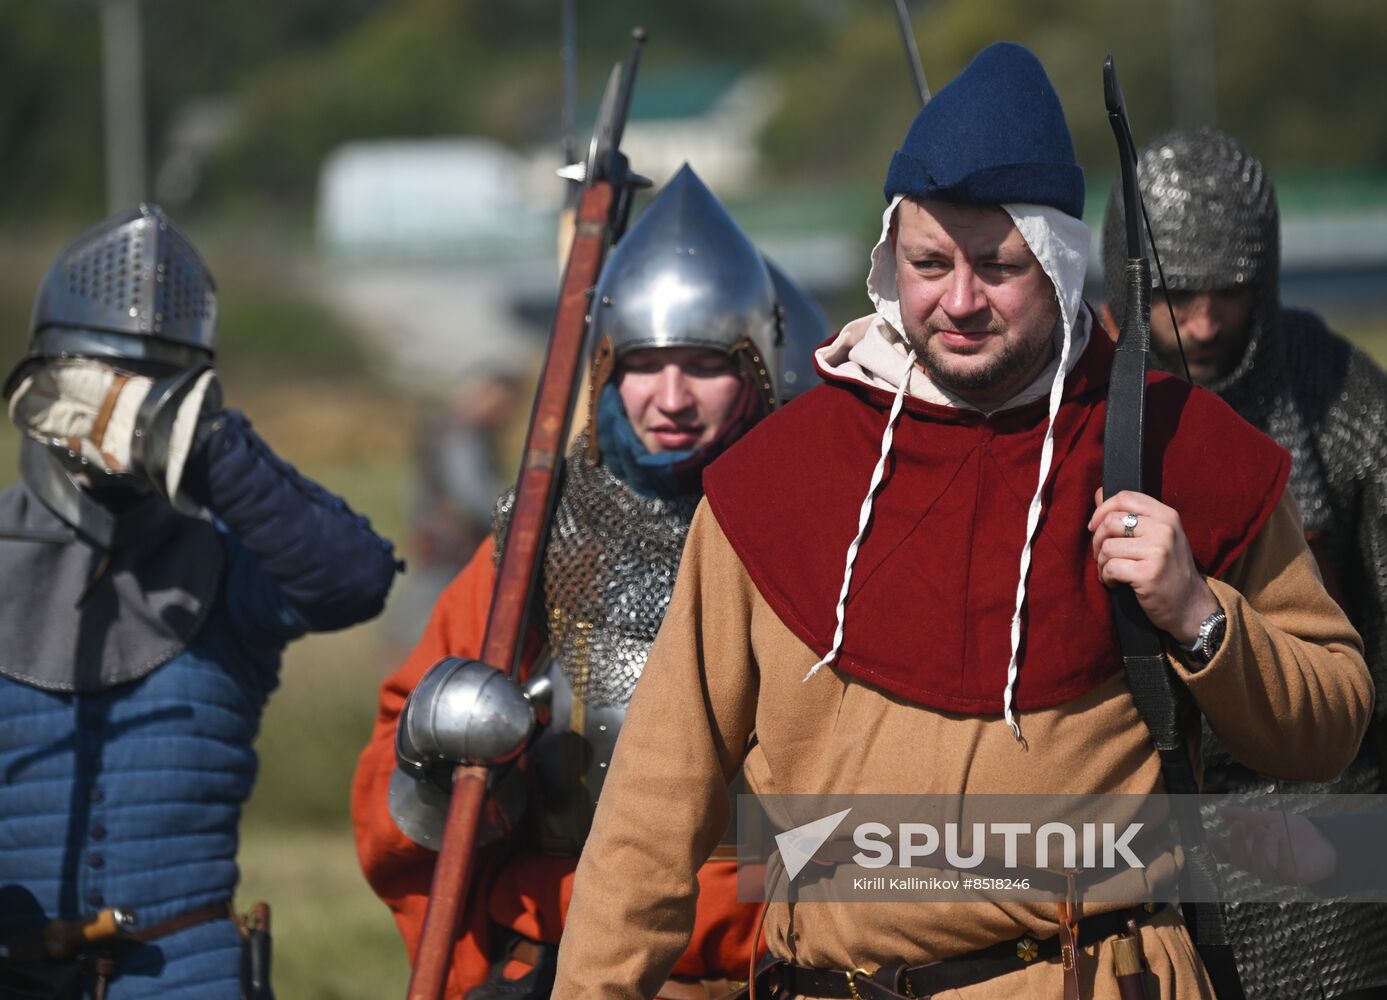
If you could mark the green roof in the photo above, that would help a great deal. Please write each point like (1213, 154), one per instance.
(671, 94)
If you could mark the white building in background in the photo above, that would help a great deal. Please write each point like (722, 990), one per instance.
(444, 249)
(429, 199)
(428, 241)
(469, 198)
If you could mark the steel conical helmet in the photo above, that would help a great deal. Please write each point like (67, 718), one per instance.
(685, 275)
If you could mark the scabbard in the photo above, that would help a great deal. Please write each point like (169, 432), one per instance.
(1129, 968)
(257, 945)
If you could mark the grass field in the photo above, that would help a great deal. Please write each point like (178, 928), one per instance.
(333, 939)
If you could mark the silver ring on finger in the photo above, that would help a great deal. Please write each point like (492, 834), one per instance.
(1129, 525)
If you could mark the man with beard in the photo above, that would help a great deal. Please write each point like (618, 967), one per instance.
(1214, 218)
(685, 337)
(155, 560)
(954, 455)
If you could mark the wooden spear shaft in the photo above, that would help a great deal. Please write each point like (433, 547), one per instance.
(520, 561)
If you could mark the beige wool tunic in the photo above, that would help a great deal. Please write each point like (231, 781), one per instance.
(1287, 692)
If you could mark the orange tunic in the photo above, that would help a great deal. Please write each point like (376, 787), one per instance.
(526, 892)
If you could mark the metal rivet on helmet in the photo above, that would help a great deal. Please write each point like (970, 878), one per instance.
(101, 283)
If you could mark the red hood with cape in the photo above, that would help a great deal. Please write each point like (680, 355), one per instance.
(934, 587)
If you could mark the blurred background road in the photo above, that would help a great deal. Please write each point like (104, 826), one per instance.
(371, 182)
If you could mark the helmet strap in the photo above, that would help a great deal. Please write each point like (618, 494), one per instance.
(600, 373)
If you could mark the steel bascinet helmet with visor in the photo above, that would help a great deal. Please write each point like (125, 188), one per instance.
(685, 275)
(118, 371)
(130, 288)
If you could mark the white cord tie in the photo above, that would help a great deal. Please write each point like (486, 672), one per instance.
(1047, 453)
(865, 514)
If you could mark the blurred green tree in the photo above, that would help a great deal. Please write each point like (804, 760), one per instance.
(50, 112)
(50, 82)
(1297, 82)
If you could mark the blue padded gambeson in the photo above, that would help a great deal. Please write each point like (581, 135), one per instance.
(131, 797)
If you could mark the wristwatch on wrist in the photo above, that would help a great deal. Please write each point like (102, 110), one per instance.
(1210, 638)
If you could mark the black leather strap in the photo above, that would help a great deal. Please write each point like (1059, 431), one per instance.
(785, 979)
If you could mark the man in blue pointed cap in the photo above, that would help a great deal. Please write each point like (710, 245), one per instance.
(685, 343)
(900, 585)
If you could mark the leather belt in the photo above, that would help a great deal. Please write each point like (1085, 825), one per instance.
(531, 953)
(64, 939)
(203, 914)
(96, 942)
(783, 979)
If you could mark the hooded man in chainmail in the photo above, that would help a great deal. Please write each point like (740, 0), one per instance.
(1214, 218)
(685, 339)
(155, 560)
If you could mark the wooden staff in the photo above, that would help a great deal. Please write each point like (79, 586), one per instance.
(602, 213)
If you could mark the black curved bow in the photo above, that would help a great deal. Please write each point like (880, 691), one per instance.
(1163, 702)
